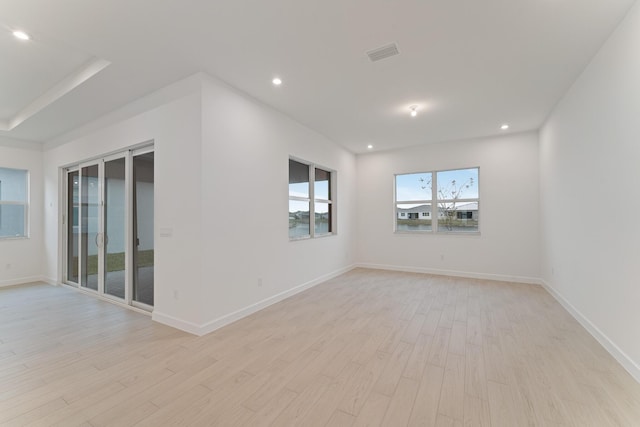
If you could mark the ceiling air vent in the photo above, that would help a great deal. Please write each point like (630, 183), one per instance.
(383, 52)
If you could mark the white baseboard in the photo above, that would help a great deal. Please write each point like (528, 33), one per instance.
(627, 363)
(244, 312)
(454, 273)
(174, 322)
(20, 281)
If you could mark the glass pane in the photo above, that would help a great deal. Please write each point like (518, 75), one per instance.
(458, 184)
(298, 219)
(73, 220)
(322, 185)
(298, 179)
(412, 217)
(458, 217)
(89, 211)
(114, 236)
(13, 188)
(12, 220)
(322, 218)
(13, 185)
(413, 186)
(143, 245)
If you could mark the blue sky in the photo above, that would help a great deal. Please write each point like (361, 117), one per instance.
(301, 189)
(416, 186)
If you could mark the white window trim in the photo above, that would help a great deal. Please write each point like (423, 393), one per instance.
(434, 203)
(312, 200)
(27, 225)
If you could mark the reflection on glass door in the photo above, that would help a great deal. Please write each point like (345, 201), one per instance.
(73, 221)
(143, 253)
(114, 237)
(90, 226)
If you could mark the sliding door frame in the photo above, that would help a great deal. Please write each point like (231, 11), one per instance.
(128, 155)
(130, 223)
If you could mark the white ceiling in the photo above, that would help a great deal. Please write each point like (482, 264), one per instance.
(470, 65)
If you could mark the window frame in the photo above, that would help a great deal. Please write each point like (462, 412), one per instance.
(312, 200)
(434, 202)
(25, 203)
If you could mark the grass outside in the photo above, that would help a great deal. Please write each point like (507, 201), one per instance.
(458, 223)
(414, 222)
(115, 262)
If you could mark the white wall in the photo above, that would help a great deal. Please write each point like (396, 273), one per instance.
(218, 150)
(175, 128)
(245, 156)
(507, 247)
(590, 171)
(21, 259)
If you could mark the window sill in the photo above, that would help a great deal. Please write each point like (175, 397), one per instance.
(14, 238)
(319, 236)
(438, 233)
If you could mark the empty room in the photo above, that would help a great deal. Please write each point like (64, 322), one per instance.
(319, 213)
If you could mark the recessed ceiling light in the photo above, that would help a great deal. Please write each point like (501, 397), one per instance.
(277, 81)
(21, 35)
(504, 126)
(414, 110)
(369, 146)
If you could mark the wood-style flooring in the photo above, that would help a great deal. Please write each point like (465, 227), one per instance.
(365, 349)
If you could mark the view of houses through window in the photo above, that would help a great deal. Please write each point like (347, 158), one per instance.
(14, 195)
(442, 201)
(310, 200)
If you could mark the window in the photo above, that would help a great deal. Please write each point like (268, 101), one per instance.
(447, 201)
(310, 200)
(14, 196)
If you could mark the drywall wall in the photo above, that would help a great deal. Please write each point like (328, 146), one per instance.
(175, 129)
(507, 246)
(249, 260)
(589, 169)
(221, 187)
(21, 259)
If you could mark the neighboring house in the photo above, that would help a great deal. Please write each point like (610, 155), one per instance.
(417, 212)
(462, 211)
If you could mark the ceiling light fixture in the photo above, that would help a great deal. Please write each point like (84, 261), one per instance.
(369, 146)
(21, 35)
(277, 81)
(414, 110)
(504, 126)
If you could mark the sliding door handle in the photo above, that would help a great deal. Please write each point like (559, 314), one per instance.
(100, 239)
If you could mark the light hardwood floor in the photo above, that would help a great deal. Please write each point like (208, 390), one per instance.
(367, 348)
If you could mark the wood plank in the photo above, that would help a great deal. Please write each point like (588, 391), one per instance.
(355, 350)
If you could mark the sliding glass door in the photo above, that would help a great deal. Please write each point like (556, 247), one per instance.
(114, 241)
(73, 226)
(143, 228)
(90, 236)
(109, 227)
